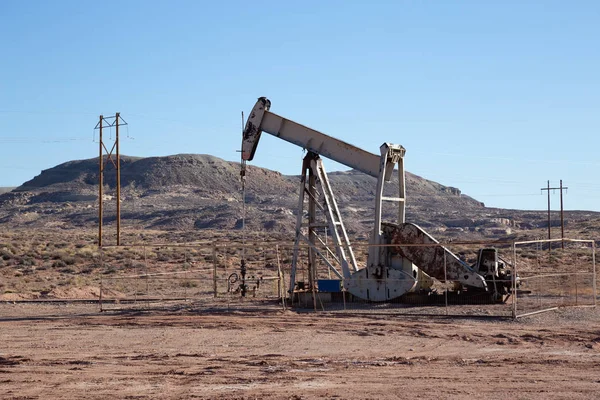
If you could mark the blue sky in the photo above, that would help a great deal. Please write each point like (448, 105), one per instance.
(493, 97)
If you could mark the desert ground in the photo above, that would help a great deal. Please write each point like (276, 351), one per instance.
(56, 343)
(73, 351)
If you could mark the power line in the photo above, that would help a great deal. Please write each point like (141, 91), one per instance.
(15, 167)
(530, 161)
(562, 219)
(10, 140)
(54, 112)
(505, 195)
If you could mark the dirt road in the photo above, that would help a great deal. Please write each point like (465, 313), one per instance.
(49, 353)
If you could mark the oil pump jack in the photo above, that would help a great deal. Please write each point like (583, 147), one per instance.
(399, 254)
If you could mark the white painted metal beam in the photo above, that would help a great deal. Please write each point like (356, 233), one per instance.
(319, 143)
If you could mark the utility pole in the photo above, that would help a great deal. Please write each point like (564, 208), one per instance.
(118, 167)
(109, 122)
(562, 219)
(100, 183)
(548, 189)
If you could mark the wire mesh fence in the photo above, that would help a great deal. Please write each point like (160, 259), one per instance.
(137, 276)
(249, 276)
(555, 273)
(196, 276)
(442, 302)
(527, 279)
(521, 278)
(421, 291)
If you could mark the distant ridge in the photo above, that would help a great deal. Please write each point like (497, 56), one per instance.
(200, 191)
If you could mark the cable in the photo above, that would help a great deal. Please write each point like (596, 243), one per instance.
(10, 140)
(504, 195)
(534, 161)
(128, 137)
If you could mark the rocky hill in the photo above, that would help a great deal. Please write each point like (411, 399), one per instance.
(190, 192)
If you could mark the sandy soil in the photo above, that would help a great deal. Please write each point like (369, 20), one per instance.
(63, 351)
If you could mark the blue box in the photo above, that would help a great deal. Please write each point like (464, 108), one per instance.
(329, 285)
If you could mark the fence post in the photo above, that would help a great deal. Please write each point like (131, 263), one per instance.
(186, 280)
(445, 284)
(514, 280)
(215, 269)
(101, 266)
(594, 272)
(137, 283)
(576, 289)
(147, 277)
(100, 298)
(281, 281)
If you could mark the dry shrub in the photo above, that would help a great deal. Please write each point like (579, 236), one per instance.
(59, 264)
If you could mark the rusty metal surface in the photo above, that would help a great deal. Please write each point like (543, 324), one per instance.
(252, 131)
(430, 259)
